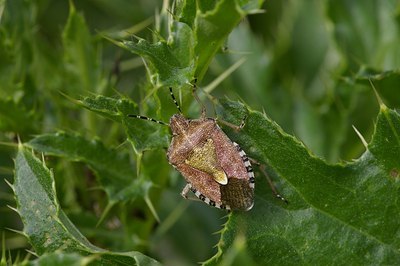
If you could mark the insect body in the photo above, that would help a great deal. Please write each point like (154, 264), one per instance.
(216, 169)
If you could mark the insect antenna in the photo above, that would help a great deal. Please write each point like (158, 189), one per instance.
(175, 102)
(154, 120)
(149, 119)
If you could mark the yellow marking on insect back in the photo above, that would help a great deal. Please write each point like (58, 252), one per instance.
(220, 177)
(205, 159)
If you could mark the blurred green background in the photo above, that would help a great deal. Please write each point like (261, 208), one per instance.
(308, 65)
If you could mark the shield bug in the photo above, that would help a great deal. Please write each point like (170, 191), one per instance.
(215, 168)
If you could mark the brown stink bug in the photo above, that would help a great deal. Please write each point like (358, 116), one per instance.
(216, 169)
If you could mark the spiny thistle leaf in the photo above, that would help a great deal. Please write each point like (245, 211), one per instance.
(142, 134)
(349, 210)
(45, 224)
(194, 39)
(114, 171)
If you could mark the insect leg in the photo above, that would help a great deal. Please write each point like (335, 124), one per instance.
(273, 188)
(201, 197)
(233, 126)
(186, 190)
(271, 184)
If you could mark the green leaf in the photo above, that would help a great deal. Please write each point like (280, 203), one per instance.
(113, 169)
(143, 135)
(14, 117)
(60, 258)
(170, 64)
(212, 29)
(70, 259)
(349, 210)
(16, 35)
(367, 33)
(193, 42)
(106, 106)
(386, 83)
(187, 11)
(45, 224)
(80, 54)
